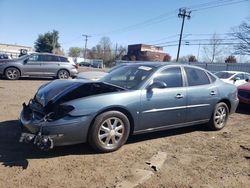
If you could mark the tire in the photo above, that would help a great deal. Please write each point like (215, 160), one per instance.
(63, 74)
(12, 73)
(109, 131)
(219, 117)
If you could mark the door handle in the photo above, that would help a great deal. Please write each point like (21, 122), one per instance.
(212, 93)
(179, 96)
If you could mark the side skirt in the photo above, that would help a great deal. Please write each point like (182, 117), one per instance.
(171, 126)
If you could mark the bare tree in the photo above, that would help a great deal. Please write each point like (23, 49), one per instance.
(212, 51)
(242, 33)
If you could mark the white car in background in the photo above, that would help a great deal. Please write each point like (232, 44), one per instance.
(233, 77)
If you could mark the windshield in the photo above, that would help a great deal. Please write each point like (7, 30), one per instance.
(224, 75)
(129, 77)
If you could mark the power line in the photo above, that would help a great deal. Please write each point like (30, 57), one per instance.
(219, 5)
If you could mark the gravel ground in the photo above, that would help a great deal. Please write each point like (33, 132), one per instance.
(195, 156)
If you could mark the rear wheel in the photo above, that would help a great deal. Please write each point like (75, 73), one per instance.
(12, 73)
(63, 74)
(219, 116)
(109, 131)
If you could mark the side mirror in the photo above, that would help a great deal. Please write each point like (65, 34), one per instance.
(157, 84)
(236, 78)
(26, 60)
(247, 80)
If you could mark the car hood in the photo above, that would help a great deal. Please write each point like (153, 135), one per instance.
(245, 86)
(6, 60)
(60, 91)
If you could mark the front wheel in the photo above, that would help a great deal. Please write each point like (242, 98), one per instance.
(12, 73)
(219, 116)
(109, 131)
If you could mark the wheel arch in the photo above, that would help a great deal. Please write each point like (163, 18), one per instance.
(227, 102)
(63, 69)
(119, 109)
(12, 67)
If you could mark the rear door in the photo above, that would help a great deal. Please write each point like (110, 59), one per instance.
(50, 64)
(202, 94)
(164, 107)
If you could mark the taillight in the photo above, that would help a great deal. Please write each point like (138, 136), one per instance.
(76, 66)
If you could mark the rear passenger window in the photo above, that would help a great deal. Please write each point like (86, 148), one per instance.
(171, 76)
(55, 58)
(63, 59)
(196, 77)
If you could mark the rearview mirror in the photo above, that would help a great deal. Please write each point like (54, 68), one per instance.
(157, 84)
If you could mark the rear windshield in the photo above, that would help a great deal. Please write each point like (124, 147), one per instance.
(224, 75)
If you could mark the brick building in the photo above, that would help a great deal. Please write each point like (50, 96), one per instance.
(144, 52)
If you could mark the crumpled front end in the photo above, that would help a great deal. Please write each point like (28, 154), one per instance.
(51, 118)
(46, 130)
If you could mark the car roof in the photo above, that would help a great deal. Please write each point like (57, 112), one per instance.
(46, 53)
(157, 64)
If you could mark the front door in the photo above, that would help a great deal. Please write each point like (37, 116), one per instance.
(32, 66)
(167, 106)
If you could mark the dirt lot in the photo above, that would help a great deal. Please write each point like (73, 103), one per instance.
(195, 156)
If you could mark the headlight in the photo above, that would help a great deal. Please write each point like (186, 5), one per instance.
(59, 112)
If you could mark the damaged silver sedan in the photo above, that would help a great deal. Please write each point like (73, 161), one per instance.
(132, 99)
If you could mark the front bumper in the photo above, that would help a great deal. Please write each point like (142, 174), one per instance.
(65, 131)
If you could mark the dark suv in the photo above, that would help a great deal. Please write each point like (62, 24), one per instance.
(38, 65)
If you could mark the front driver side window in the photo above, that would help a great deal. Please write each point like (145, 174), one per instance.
(34, 57)
(171, 76)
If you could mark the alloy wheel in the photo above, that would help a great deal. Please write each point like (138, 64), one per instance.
(220, 116)
(111, 132)
(63, 74)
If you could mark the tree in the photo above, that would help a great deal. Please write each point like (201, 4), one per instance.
(192, 58)
(167, 58)
(120, 52)
(231, 59)
(242, 33)
(47, 42)
(213, 50)
(75, 52)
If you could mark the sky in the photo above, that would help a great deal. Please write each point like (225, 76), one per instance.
(124, 22)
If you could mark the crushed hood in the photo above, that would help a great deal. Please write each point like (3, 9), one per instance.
(60, 91)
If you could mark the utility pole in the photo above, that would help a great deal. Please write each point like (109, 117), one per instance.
(183, 13)
(85, 46)
(116, 48)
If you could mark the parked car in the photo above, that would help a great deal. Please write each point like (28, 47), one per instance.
(233, 77)
(4, 56)
(244, 93)
(91, 75)
(132, 99)
(38, 65)
(85, 64)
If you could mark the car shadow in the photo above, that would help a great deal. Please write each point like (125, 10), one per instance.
(168, 133)
(13, 153)
(243, 109)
